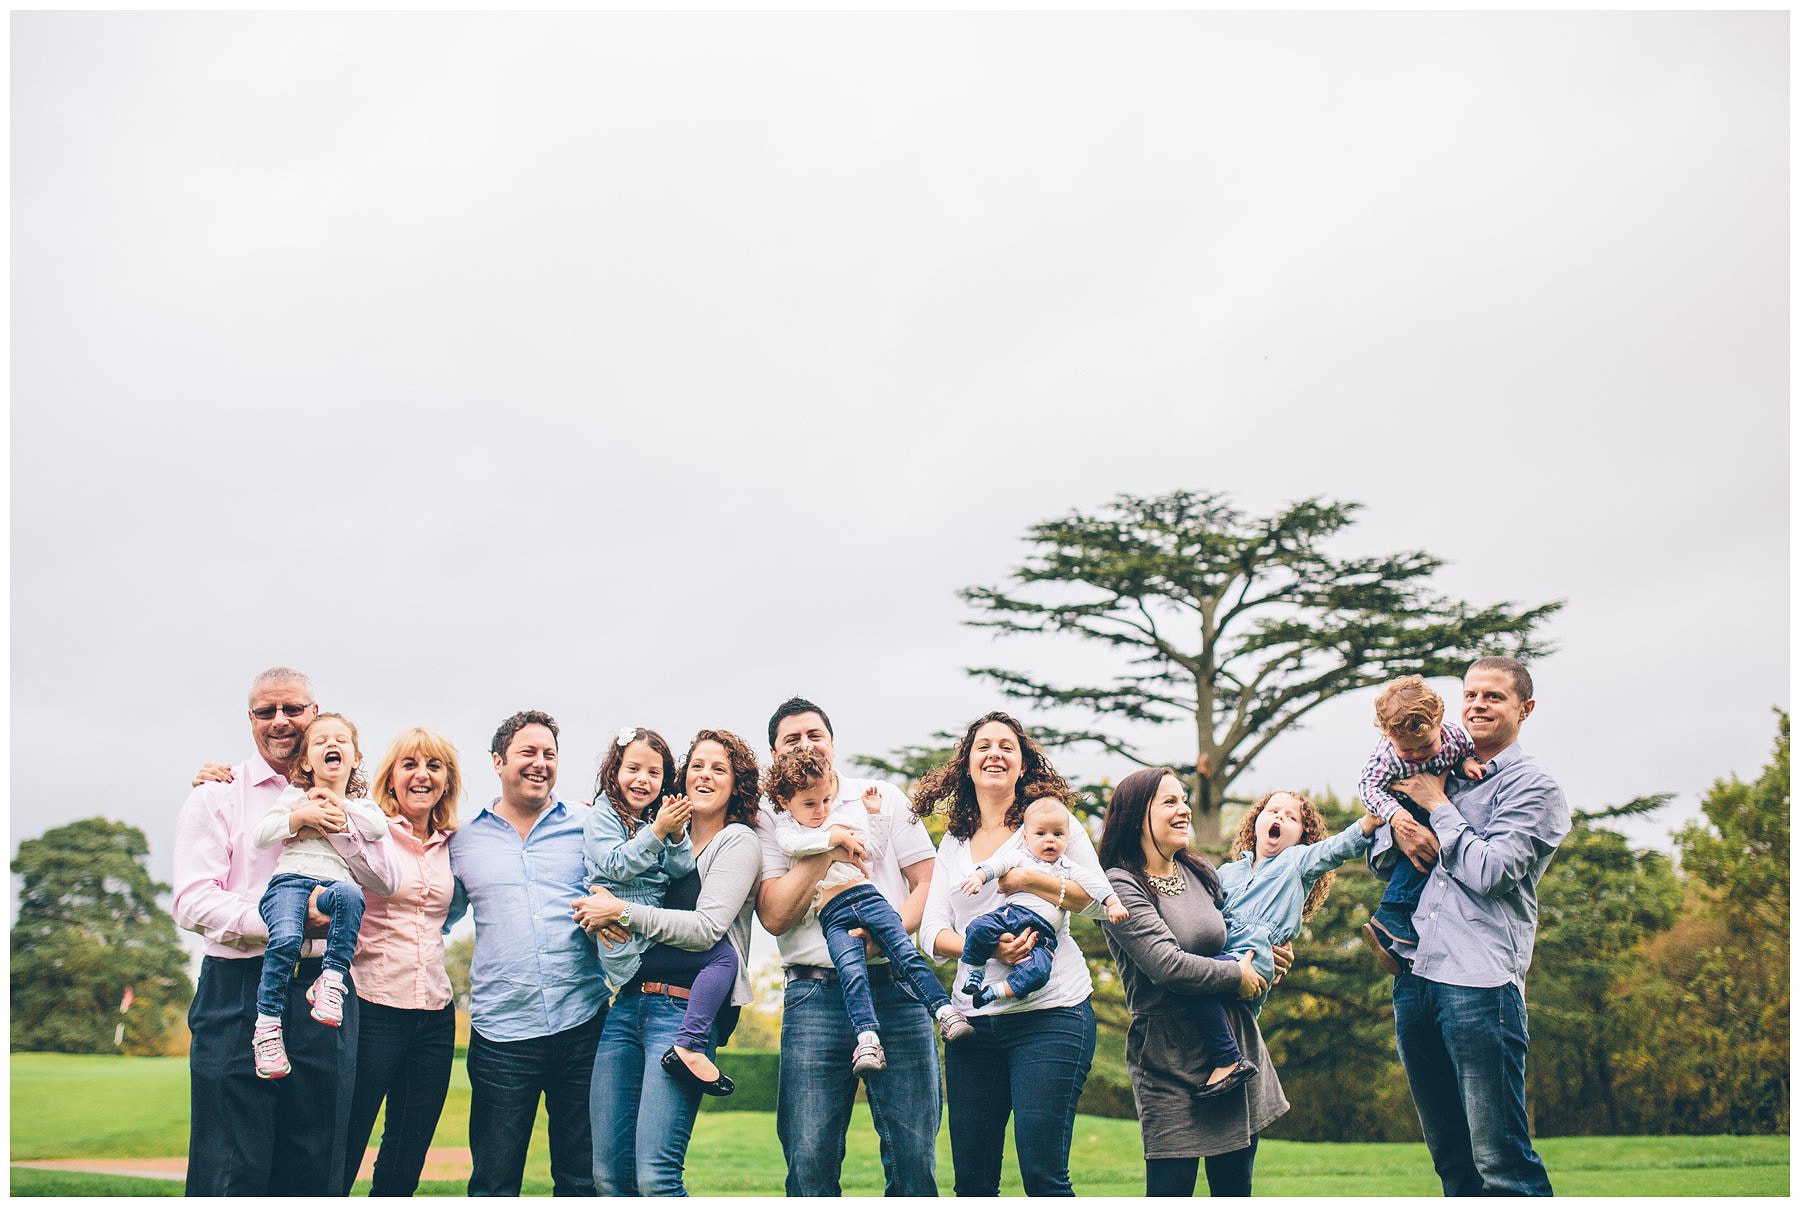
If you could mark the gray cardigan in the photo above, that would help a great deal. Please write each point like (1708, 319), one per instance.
(1164, 951)
(729, 868)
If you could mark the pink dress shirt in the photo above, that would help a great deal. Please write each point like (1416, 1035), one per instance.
(220, 874)
(399, 958)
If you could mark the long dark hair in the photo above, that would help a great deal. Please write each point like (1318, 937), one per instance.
(1122, 836)
(606, 783)
(950, 782)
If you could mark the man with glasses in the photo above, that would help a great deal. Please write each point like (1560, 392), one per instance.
(248, 1136)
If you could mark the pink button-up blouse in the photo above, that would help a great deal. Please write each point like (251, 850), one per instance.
(399, 958)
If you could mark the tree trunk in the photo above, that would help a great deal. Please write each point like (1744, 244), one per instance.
(1204, 803)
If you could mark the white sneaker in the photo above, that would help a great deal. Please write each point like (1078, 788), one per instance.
(868, 1057)
(269, 1052)
(326, 997)
(952, 1025)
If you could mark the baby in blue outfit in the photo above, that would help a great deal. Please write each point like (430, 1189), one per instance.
(1279, 876)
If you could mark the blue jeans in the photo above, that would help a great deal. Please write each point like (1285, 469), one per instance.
(863, 905)
(983, 934)
(1405, 883)
(1464, 1054)
(1031, 1064)
(642, 1116)
(505, 1080)
(403, 1057)
(248, 1136)
(817, 1086)
(283, 910)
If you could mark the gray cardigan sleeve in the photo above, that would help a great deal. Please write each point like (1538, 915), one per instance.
(1147, 941)
(726, 883)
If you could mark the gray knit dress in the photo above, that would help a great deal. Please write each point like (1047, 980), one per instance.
(1164, 951)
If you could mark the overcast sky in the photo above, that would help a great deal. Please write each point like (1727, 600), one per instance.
(650, 369)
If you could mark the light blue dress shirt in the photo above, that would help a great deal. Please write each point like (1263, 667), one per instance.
(1477, 915)
(534, 971)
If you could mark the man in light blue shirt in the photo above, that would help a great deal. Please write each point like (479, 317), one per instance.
(536, 998)
(1459, 1013)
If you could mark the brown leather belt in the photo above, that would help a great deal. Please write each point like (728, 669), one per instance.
(674, 991)
(811, 972)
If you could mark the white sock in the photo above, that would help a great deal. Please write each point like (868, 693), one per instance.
(868, 1037)
(945, 1009)
(264, 1020)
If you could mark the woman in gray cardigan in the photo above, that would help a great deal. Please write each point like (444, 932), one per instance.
(642, 1111)
(1164, 950)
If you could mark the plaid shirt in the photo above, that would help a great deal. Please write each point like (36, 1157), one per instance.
(1385, 766)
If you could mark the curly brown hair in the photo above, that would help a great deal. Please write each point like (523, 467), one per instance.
(1408, 710)
(740, 806)
(1312, 829)
(301, 776)
(607, 781)
(791, 774)
(950, 782)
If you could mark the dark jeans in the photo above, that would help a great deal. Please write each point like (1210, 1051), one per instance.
(505, 1080)
(283, 910)
(1031, 1064)
(404, 1056)
(863, 905)
(709, 977)
(1216, 1039)
(247, 1136)
(817, 1087)
(983, 934)
(1405, 883)
(1227, 1175)
(1464, 1054)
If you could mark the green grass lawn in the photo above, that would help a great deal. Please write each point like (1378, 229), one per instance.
(108, 1106)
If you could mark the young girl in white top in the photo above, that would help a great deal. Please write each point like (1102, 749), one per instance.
(323, 810)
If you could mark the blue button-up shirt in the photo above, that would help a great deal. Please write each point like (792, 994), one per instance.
(534, 972)
(1477, 916)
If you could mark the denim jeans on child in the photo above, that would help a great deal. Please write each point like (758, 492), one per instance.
(1463, 1050)
(1030, 1064)
(283, 910)
(862, 905)
(643, 1118)
(1405, 883)
(984, 932)
(817, 1086)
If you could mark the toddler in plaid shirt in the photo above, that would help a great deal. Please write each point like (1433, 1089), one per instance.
(1415, 738)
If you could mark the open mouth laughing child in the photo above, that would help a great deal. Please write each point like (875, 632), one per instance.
(323, 810)
(800, 788)
(1278, 876)
(1414, 738)
(635, 846)
(1044, 831)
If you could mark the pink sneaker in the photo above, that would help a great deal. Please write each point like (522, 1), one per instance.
(269, 1052)
(326, 997)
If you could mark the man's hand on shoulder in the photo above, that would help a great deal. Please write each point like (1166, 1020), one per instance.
(212, 773)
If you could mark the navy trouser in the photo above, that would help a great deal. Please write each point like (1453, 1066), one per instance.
(862, 905)
(248, 1136)
(404, 1057)
(1227, 1175)
(1405, 884)
(983, 934)
(1030, 1064)
(505, 1080)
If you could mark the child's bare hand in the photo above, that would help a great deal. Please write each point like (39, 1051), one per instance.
(1116, 911)
(325, 796)
(972, 885)
(671, 816)
(1250, 981)
(1472, 769)
(871, 799)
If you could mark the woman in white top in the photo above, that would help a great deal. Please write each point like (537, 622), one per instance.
(1028, 1057)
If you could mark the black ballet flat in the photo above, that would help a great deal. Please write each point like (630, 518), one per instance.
(1243, 1071)
(671, 1060)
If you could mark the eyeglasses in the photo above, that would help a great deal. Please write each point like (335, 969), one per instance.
(267, 712)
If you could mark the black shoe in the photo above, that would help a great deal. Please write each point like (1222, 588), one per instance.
(1241, 1072)
(671, 1060)
(981, 995)
(972, 986)
(1375, 935)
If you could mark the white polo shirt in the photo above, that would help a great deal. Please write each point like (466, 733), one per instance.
(908, 843)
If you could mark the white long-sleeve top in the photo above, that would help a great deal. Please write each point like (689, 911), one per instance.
(947, 908)
(1095, 885)
(319, 858)
(798, 841)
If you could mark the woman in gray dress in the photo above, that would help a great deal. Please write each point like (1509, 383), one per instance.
(1164, 950)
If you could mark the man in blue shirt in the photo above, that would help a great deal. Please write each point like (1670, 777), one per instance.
(536, 999)
(1459, 1013)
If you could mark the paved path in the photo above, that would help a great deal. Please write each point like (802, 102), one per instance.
(441, 1165)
